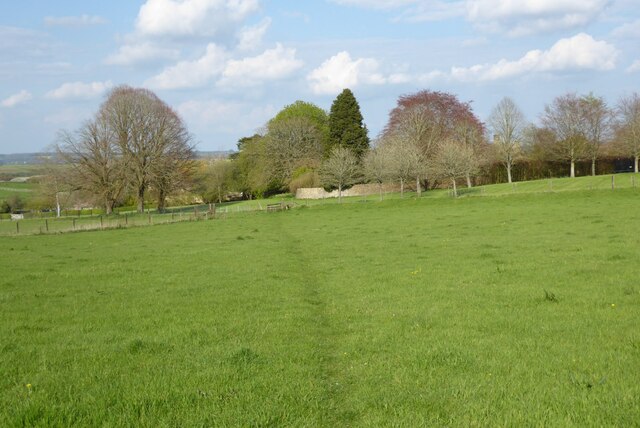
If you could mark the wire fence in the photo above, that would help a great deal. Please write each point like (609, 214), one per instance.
(63, 224)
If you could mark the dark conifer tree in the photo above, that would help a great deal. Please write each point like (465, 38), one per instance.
(346, 127)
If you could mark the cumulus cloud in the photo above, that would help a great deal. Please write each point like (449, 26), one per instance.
(340, 71)
(516, 18)
(524, 17)
(376, 4)
(251, 37)
(628, 30)
(192, 74)
(272, 64)
(141, 53)
(74, 21)
(634, 68)
(188, 18)
(79, 90)
(580, 52)
(217, 65)
(15, 99)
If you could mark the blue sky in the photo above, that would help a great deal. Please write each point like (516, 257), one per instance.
(228, 66)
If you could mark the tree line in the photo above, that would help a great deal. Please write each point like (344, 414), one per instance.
(136, 146)
(431, 139)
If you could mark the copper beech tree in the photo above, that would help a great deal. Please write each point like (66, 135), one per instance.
(428, 119)
(135, 142)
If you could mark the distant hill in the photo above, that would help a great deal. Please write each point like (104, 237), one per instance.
(36, 158)
(23, 158)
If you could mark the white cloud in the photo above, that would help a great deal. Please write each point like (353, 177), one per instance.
(515, 17)
(74, 21)
(580, 52)
(376, 4)
(340, 71)
(634, 68)
(192, 74)
(524, 17)
(188, 18)
(628, 30)
(141, 53)
(272, 64)
(15, 99)
(79, 90)
(251, 37)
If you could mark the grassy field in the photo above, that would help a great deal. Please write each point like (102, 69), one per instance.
(24, 190)
(514, 310)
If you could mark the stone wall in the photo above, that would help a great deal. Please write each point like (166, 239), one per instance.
(357, 190)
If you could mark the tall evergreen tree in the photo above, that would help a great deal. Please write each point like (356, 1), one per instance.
(346, 127)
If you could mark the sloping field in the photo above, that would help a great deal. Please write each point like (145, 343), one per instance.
(8, 189)
(518, 310)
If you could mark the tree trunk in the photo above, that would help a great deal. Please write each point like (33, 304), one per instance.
(455, 189)
(509, 173)
(141, 199)
(108, 207)
(58, 205)
(402, 188)
(380, 188)
(573, 168)
(418, 188)
(340, 193)
(593, 167)
(635, 164)
(468, 181)
(162, 202)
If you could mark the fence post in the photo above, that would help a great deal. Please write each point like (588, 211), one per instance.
(613, 182)
(149, 212)
(101, 225)
(46, 224)
(74, 224)
(126, 219)
(18, 227)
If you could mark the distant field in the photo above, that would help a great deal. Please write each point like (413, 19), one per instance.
(23, 189)
(496, 311)
(7, 172)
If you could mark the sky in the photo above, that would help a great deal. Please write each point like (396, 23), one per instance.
(228, 66)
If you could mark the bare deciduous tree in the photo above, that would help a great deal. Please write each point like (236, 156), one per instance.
(96, 166)
(596, 125)
(341, 169)
(405, 161)
(57, 186)
(565, 119)
(628, 126)
(454, 160)
(151, 139)
(376, 166)
(507, 124)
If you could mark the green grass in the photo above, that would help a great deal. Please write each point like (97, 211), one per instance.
(509, 311)
(24, 190)
(599, 182)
